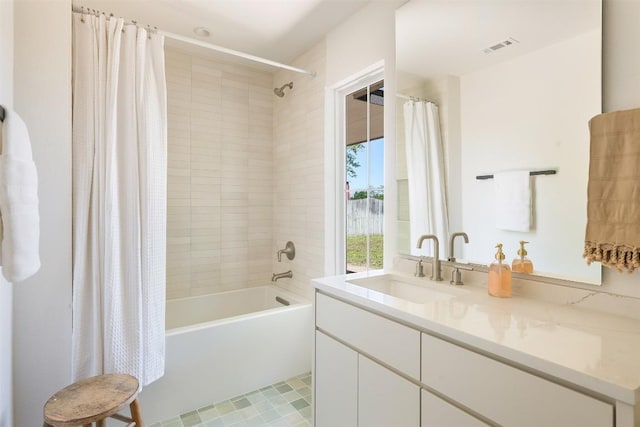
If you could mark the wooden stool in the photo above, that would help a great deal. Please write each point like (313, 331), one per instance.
(94, 400)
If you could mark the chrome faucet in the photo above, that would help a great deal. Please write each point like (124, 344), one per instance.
(452, 258)
(436, 273)
(286, 274)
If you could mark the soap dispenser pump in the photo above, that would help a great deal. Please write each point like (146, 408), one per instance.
(499, 276)
(522, 264)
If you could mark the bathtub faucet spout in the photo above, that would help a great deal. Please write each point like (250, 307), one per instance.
(286, 274)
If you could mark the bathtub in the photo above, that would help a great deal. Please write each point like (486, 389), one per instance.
(221, 345)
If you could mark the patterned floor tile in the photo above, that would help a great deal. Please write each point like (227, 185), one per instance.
(284, 404)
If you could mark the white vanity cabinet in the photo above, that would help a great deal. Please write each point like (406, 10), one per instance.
(385, 399)
(504, 394)
(393, 344)
(439, 413)
(353, 389)
(371, 371)
(336, 383)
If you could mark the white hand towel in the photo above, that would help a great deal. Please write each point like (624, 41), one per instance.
(20, 236)
(513, 200)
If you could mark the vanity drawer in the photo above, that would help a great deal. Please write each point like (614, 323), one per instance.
(504, 394)
(438, 413)
(390, 342)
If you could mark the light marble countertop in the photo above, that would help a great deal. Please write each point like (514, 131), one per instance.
(584, 347)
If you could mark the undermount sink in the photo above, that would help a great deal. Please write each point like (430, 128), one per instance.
(416, 290)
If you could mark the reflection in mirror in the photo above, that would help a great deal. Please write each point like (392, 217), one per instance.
(514, 84)
(426, 178)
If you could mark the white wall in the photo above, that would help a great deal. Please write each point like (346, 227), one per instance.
(621, 90)
(541, 124)
(42, 304)
(6, 293)
(621, 66)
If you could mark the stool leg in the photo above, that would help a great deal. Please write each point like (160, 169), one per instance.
(135, 413)
(101, 423)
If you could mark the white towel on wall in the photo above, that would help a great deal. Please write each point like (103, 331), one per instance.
(513, 200)
(20, 231)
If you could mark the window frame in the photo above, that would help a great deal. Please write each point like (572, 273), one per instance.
(335, 164)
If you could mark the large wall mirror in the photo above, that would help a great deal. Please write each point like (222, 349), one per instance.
(514, 84)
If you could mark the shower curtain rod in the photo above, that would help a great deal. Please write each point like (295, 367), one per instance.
(413, 98)
(233, 52)
(210, 46)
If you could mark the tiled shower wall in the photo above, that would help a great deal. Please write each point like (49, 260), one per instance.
(299, 170)
(220, 175)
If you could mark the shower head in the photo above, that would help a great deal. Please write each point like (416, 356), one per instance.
(279, 91)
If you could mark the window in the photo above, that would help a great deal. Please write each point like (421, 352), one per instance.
(364, 173)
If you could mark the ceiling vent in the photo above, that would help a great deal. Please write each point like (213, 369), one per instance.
(501, 45)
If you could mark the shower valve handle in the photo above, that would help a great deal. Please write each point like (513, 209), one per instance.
(289, 250)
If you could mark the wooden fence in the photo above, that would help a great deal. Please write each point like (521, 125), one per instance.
(359, 223)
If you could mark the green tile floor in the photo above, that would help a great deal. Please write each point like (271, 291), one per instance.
(285, 404)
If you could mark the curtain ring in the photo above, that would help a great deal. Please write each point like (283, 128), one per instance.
(82, 14)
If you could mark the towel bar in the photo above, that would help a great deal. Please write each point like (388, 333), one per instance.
(532, 173)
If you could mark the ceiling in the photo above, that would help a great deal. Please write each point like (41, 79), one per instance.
(456, 32)
(279, 30)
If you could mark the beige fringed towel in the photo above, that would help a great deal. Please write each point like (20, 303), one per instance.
(613, 207)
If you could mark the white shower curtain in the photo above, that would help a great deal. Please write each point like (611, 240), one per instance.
(119, 199)
(426, 173)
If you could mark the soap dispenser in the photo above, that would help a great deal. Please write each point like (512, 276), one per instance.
(499, 276)
(522, 264)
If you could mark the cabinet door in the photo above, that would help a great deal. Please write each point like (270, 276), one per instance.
(385, 399)
(336, 384)
(438, 413)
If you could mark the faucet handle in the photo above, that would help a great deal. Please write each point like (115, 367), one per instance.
(456, 275)
(419, 269)
(289, 250)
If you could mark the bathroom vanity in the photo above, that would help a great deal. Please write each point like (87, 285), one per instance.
(392, 350)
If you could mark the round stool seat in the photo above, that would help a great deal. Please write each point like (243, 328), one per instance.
(91, 400)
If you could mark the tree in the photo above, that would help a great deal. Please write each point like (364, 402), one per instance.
(359, 195)
(374, 194)
(378, 195)
(352, 159)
